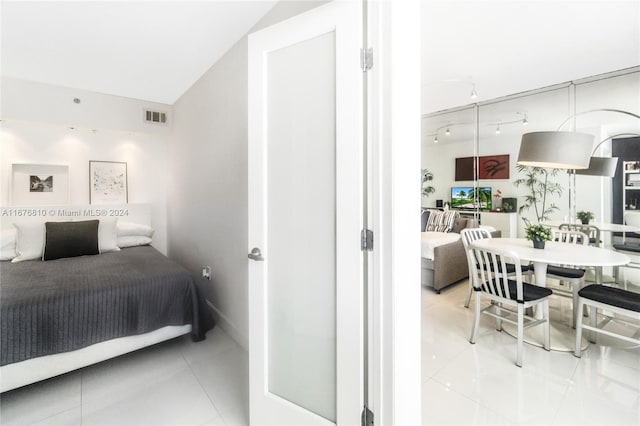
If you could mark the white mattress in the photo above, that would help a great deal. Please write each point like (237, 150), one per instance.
(432, 239)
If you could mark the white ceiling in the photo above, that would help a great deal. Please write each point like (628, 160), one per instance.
(507, 47)
(151, 50)
(155, 50)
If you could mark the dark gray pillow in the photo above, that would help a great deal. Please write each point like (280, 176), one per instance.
(70, 239)
(424, 218)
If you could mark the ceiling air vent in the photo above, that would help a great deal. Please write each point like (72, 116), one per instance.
(155, 117)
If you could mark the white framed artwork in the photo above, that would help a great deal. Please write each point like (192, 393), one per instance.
(108, 182)
(39, 184)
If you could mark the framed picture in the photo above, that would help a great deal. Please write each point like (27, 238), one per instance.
(108, 182)
(464, 168)
(493, 167)
(39, 184)
(489, 167)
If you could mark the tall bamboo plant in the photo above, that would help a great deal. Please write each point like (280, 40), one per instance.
(536, 179)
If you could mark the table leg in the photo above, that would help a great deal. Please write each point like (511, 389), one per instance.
(540, 272)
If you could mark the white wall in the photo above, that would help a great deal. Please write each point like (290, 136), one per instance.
(208, 193)
(35, 129)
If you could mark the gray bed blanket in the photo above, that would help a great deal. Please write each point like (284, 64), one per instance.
(67, 304)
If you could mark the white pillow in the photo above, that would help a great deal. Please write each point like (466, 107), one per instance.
(29, 242)
(133, 240)
(126, 229)
(107, 235)
(8, 244)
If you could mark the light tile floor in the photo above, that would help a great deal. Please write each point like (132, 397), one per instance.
(173, 383)
(185, 383)
(480, 384)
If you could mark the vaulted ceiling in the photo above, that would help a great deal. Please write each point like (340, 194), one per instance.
(151, 50)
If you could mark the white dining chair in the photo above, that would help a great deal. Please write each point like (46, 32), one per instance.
(593, 232)
(469, 235)
(511, 295)
(574, 276)
(615, 304)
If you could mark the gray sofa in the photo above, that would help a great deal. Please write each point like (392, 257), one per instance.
(449, 264)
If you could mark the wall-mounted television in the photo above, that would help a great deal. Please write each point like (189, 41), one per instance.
(468, 197)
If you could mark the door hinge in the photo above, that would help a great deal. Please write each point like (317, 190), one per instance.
(366, 59)
(367, 417)
(366, 240)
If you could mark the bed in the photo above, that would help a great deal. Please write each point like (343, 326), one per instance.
(67, 313)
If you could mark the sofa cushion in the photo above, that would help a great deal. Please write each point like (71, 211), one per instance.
(433, 239)
(459, 224)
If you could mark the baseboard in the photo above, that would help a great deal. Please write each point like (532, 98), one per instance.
(224, 323)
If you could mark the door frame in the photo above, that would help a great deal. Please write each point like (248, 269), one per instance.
(394, 108)
(394, 141)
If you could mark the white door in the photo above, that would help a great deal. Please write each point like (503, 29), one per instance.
(305, 217)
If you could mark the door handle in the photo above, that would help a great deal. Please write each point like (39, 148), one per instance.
(256, 255)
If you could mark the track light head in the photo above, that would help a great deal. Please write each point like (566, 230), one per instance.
(474, 94)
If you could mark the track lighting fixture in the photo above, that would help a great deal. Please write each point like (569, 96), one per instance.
(435, 139)
(525, 121)
(498, 129)
(448, 132)
(474, 94)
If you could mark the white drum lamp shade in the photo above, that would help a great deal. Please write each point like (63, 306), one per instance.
(556, 150)
(600, 166)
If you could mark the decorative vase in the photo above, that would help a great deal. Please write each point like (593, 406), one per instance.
(538, 244)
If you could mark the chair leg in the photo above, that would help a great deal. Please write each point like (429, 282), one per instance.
(578, 348)
(520, 335)
(593, 314)
(476, 319)
(466, 305)
(498, 320)
(546, 325)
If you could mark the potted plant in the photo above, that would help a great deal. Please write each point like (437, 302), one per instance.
(427, 176)
(585, 217)
(538, 234)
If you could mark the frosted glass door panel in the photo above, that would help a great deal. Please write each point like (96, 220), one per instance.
(301, 224)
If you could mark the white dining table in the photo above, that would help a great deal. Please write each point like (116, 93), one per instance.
(562, 336)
